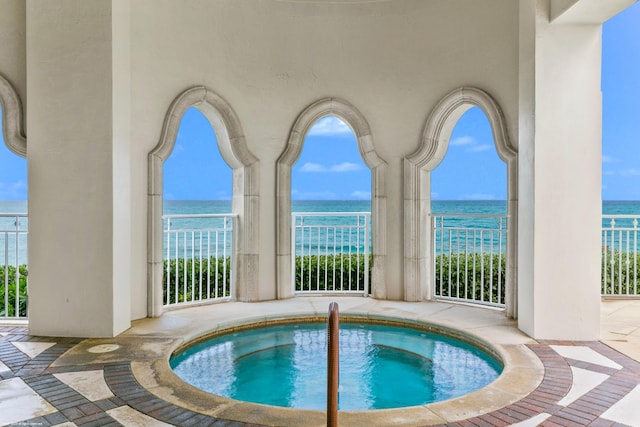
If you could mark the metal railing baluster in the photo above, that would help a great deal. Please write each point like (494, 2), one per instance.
(187, 246)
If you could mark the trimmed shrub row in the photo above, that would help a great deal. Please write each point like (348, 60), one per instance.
(621, 273)
(8, 305)
(341, 272)
(469, 276)
(194, 279)
(337, 273)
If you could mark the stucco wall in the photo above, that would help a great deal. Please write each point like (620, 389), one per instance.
(270, 59)
(13, 62)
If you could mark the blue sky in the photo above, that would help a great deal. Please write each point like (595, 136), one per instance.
(330, 166)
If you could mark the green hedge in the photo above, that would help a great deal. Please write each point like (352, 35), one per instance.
(313, 267)
(611, 276)
(9, 310)
(331, 272)
(460, 267)
(197, 268)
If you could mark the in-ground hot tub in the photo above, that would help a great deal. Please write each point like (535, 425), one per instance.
(383, 364)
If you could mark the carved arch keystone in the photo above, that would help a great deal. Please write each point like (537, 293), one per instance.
(418, 257)
(358, 124)
(245, 204)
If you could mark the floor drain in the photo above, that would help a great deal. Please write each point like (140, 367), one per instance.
(103, 348)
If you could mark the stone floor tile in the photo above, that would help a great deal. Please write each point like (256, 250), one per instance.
(33, 349)
(585, 354)
(128, 416)
(626, 410)
(90, 384)
(18, 402)
(583, 382)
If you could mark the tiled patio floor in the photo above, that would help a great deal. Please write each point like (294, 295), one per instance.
(584, 383)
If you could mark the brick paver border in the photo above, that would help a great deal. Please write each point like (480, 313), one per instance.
(72, 406)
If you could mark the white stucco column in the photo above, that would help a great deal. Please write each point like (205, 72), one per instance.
(79, 174)
(560, 208)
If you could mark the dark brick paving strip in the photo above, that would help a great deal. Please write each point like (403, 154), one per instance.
(74, 407)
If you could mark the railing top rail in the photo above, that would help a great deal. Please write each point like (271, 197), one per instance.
(228, 215)
(621, 216)
(461, 215)
(198, 230)
(330, 213)
(13, 215)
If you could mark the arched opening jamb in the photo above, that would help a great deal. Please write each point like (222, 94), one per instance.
(12, 127)
(245, 203)
(417, 174)
(354, 119)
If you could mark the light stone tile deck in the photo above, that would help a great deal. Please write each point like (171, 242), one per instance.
(583, 382)
(585, 354)
(19, 402)
(33, 349)
(90, 384)
(626, 411)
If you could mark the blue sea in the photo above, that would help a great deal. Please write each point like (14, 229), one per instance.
(173, 207)
(8, 227)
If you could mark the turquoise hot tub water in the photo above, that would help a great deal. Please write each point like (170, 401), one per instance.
(381, 366)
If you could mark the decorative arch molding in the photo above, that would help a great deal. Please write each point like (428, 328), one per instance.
(245, 203)
(358, 124)
(418, 255)
(12, 119)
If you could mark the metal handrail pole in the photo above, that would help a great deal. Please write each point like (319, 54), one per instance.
(333, 362)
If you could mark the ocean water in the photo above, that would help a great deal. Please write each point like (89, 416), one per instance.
(173, 207)
(8, 228)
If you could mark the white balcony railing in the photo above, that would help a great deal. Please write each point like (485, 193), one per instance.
(198, 260)
(332, 252)
(13, 266)
(333, 255)
(470, 258)
(620, 256)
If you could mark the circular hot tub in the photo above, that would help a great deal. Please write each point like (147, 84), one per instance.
(383, 364)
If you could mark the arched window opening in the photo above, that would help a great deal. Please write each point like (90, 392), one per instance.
(286, 240)
(469, 208)
(421, 235)
(197, 213)
(13, 233)
(621, 154)
(331, 206)
(237, 233)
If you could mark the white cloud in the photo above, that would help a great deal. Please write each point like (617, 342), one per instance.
(345, 167)
(463, 140)
(13, 190)
(313, 167)
(364, 195)
(609, 159)
(478, 148)
(470, 143)
(435, 195)
(479, 196)
(329, 125)
(630, 172)
(310, 167)
(608, 173)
